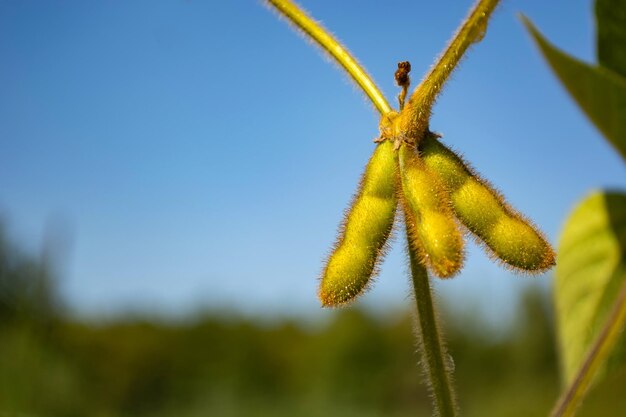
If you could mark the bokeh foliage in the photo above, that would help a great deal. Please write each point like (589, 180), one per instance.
(591, 265)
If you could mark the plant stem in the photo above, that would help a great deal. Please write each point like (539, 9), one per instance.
(434, 357)
(418, 109)
(325, 40)
(600, 349)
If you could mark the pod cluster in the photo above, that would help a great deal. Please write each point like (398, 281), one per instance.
(442, 199)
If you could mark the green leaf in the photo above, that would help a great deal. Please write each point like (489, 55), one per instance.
(600, 92)
(611, 22)
(591, 267)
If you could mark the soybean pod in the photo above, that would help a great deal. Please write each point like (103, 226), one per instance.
(509, 236)
(362, 239)
(431, 225)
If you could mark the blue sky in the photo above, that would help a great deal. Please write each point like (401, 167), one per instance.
(201, 154)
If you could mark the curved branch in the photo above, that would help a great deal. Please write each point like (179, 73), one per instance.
(325, 40)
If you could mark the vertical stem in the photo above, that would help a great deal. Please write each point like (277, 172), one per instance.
(434, 357)
(599, 351)
(402, 97)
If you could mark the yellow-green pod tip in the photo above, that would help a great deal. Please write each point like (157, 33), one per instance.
(519, 244)
(445, 244)
(346, 275)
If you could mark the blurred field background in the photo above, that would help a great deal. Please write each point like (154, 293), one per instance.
(223, 364)
(186, 165)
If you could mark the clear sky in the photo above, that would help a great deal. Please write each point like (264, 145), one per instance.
(201, 153)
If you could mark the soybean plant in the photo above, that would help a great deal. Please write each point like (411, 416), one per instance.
(440, 196)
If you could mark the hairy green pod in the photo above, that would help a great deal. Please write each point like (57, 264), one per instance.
(510, 237)
(366, 228)
(432, 228)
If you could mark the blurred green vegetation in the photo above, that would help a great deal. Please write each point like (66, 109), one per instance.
(53, 364)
